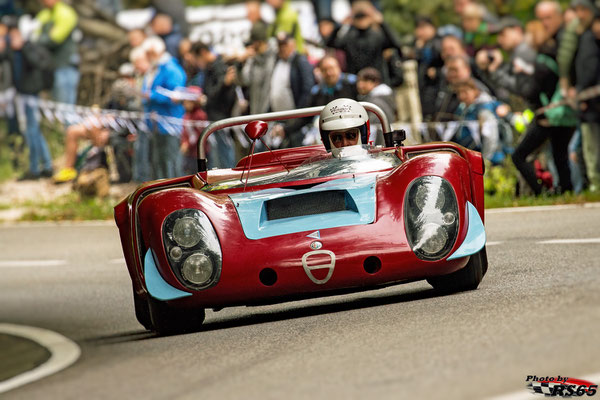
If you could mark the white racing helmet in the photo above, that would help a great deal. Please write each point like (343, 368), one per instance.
(341, 114)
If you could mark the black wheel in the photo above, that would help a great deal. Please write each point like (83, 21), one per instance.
(142, 311)
(467, 278)
(168, 320)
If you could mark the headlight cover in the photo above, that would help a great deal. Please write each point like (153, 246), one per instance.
(193, 249)
(431, 217)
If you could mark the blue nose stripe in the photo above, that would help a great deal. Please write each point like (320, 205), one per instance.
(475, 239)
(156, 285)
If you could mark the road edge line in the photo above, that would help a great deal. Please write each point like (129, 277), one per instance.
(63, 350)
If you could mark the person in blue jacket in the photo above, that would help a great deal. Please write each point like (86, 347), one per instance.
(160, 83)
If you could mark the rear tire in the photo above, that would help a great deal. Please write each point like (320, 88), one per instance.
(467, 278)
(168, 320)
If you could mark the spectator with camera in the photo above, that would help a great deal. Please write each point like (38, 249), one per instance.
(363, 37)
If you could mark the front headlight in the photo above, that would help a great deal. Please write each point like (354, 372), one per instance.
(193, 249)
(431, 217)
(187, 232)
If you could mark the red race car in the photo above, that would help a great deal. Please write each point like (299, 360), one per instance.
(288, 224)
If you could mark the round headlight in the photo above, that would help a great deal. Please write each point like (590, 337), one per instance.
(187, 232)
(197, 269)
(432, 238)
(430, 194)
(431, 217)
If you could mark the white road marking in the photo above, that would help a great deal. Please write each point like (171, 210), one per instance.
(493, 243)
(527, 394)
(32, 263)
(571, 241)
(64, 352)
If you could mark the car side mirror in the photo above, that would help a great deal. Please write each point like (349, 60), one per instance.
(256, 129)
(394, 138)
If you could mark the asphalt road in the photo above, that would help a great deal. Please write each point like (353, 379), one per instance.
(536, 312)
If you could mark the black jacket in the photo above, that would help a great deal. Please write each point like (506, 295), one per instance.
(220, 98)
(364, 48)
(321, 94)
(301, 80)
(528, 86)
(32, 68)
(587, 72)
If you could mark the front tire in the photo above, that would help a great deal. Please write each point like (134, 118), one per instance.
(169, 321)
(467, 278)
(142, 311)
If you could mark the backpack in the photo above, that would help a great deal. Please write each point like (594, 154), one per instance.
(558, 116)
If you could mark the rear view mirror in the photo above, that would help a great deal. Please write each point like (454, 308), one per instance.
(256, 129)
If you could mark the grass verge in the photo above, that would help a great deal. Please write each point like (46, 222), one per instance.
(70, 207)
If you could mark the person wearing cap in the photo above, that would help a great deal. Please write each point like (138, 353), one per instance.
(258, 68)
(587, 74)
(286, 21)
(363, 37)
(533, 78)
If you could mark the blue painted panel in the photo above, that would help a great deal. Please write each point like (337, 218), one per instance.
(250, 208)
(157, 287)
(475, 239)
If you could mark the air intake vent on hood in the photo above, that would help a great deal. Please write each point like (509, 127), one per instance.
(309, 204)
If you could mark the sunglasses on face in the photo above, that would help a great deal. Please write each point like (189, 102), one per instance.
(337, 137)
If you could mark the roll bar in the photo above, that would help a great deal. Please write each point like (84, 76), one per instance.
(275, 116)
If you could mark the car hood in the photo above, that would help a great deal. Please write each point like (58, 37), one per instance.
(280, 211)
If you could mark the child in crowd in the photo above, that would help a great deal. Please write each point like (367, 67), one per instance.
(477, 105)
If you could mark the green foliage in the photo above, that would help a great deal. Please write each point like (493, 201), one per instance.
(500, 180)
(14, 154)
(70, 207)
(497, 201)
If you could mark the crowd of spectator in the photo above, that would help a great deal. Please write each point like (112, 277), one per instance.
(525, 84)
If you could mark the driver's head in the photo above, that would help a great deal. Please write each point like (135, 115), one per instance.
(343, 122)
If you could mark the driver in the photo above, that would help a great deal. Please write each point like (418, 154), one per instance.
(343, 122)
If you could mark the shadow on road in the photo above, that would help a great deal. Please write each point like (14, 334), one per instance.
(295, 311)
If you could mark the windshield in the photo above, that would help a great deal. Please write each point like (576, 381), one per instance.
(352, 159)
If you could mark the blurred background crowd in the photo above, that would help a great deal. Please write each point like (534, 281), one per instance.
(523, 91)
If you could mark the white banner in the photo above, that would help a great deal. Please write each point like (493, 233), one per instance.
(12, 103)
